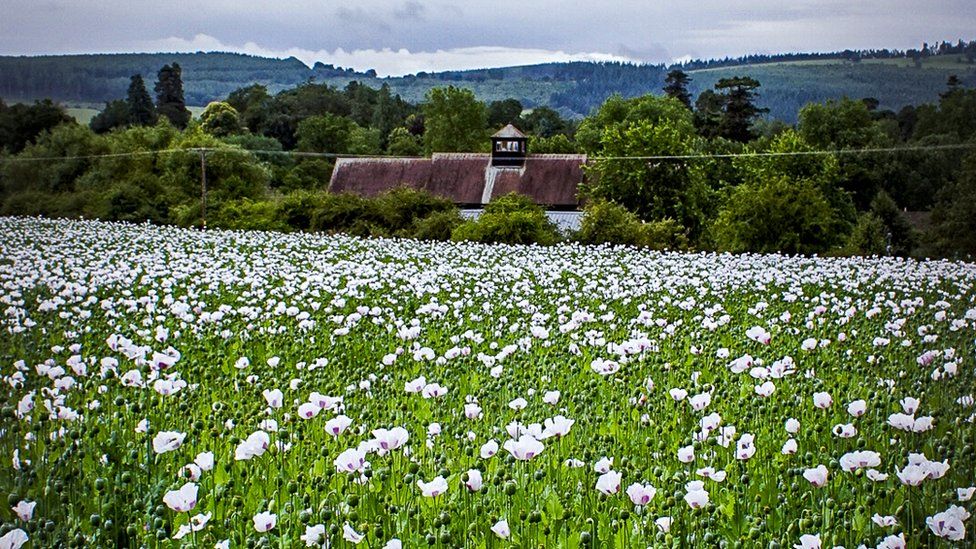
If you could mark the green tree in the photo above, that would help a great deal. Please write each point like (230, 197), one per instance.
(232, 174)
(868, 237)
(848, 124)
(708, 114)
(114, 115)
(506, 111)
(627, 131)
(21, 124)
(740, 110)
(170, 101)
(557, 144)
(454, 121)
(777, 215)
(142, 112)
(252, 104)
(545, 122)
(900, 237)
(365, 141)
(403, 143)
(676, 86)
(954, 216)
(604, 222)
(325, 133)
(787, 203)
(220, 119)
(390, 113)
(130, 187)
(57, 175)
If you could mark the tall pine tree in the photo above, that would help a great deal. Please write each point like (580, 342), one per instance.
(169, 95)
(740, 108)
(676, 86)
(142, 112)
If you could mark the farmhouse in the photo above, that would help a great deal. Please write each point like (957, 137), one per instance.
(472, 180)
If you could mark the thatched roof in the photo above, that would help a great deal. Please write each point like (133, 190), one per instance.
(465, 178)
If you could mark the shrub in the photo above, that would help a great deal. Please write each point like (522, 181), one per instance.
(297, 209)
(401, 207)
(338, 212)
(898, 233)
(869, 237)
(437, 226)
(250, 215)
(511, 219)
(666, 234)
(779, 215)
(311, 174)
(137, 200)
(608, 223)
(605, 222)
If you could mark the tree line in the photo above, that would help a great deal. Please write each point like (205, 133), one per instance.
(737, 201)
(573, 89)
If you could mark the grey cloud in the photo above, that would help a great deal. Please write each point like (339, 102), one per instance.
(410, 10)
(638, 29)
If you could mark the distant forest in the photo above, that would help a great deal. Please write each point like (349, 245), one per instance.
(895, 78)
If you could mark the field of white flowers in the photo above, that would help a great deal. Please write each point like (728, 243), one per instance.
(166, 387)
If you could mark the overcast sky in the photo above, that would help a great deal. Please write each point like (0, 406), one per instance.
(404, 36)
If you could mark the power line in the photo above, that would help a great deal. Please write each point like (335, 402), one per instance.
(661, 157)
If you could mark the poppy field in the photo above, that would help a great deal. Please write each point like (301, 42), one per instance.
(166, 387)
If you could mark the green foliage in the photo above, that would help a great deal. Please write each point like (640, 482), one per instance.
(708, 113)
(665, 234)
(347, 213)
(39, 203)
(505, 111)
(869, 237)
(232, 174)
(403, 143)
(545, 122)
(137, 199)
(604, 222)
(399, 208)
(438, 225)
(297, 209)
(326, 133)
(954, 216)
(641, 127)
(247, 214)
(114, 115)
(739, 111)
(954, 116)
(557, 144)
(608, 223)
(169, 95)
(21, 124)
(220, 119)
(789, 203)
(901, 239)
(510, 219)
(308, 174)
(848, 124)
(778, 214)
(365, 141)
(676, 86)
(252, 104)
(142, 112)
(454, 121)
(36, 169)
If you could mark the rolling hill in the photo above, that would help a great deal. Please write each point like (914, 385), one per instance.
(87, 81)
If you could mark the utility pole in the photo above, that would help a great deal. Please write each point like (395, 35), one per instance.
(203, 185)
